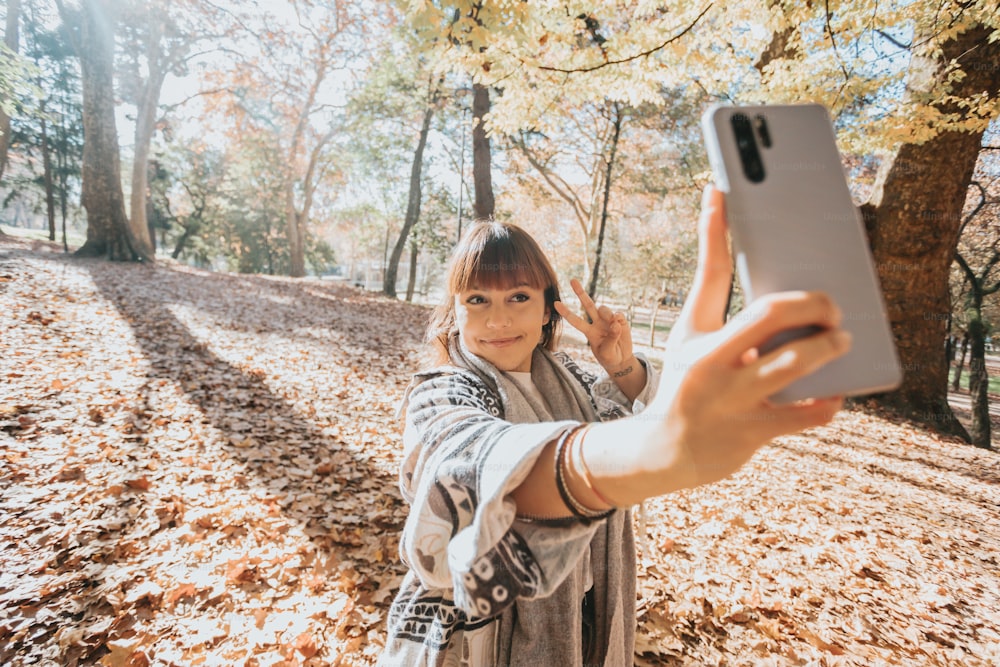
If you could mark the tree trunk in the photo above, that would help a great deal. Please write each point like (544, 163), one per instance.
(50, 195)
(140, 179)
(956, 383)
(296, 219)
(978, 378)
(412, 281)
(145, 124)
(296, 247)
(11, 37)
(182, 241)
(108, 232)
(913, 220)
(599, 250)
(63, 173)
(412, 206)
(481, 176)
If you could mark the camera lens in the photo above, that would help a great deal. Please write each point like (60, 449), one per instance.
(762, 131)
(746, 144)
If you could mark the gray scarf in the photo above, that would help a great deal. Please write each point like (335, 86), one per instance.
(565, 396)
(607, 569)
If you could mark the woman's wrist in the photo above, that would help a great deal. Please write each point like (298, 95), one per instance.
(629, 377)
(630, 460)
(625, 368)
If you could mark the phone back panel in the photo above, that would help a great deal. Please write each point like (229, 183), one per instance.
(796, 228)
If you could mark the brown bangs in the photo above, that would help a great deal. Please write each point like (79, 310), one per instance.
(499, 257)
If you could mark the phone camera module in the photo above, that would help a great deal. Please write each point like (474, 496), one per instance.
(746, 144)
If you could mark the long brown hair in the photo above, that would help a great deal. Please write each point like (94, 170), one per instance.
(495, 255)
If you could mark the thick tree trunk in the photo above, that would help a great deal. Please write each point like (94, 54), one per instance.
(108, 232)
(482, 177)
(913, 220)
(412, 206)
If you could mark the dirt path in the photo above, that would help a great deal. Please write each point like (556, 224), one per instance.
(200, 469)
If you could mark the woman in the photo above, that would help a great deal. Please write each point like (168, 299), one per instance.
(519, 467)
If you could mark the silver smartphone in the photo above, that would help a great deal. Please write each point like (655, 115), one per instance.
(794, 227)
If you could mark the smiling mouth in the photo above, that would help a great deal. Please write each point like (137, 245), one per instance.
(502, 342)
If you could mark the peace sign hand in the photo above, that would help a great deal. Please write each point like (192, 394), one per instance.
(609, 336)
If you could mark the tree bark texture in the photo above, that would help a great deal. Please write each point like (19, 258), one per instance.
(108, 232)
(913, 220)
(412, 205)
(482, 177)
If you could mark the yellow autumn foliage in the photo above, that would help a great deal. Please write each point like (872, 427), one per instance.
(853, 57)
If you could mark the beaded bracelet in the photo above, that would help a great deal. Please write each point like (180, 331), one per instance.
(578, 509)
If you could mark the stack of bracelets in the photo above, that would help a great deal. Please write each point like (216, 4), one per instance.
(569, 446)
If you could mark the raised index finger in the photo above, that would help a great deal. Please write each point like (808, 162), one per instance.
(567, 314)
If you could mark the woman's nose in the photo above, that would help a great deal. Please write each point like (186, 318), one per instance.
(498, 317)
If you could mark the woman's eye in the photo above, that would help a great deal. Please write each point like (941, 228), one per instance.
(475, 300)
(520, 298)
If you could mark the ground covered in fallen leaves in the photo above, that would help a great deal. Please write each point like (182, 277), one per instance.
(199, 469)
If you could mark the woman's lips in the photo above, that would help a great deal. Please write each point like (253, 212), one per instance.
(502, 342)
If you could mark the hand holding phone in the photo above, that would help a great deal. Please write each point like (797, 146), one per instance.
(795, 227)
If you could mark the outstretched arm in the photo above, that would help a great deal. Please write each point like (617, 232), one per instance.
(711, 412)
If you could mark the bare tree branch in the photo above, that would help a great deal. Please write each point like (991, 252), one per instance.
(561, 188)
(637, 56)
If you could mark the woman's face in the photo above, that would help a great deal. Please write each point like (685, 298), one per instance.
(502, 326)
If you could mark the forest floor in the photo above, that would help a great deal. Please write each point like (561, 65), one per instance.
(199, 469)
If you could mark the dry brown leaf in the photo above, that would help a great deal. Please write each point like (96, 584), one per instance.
(139, 483)
(305, 644)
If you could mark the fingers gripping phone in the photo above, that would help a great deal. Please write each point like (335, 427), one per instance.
(795, 227)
